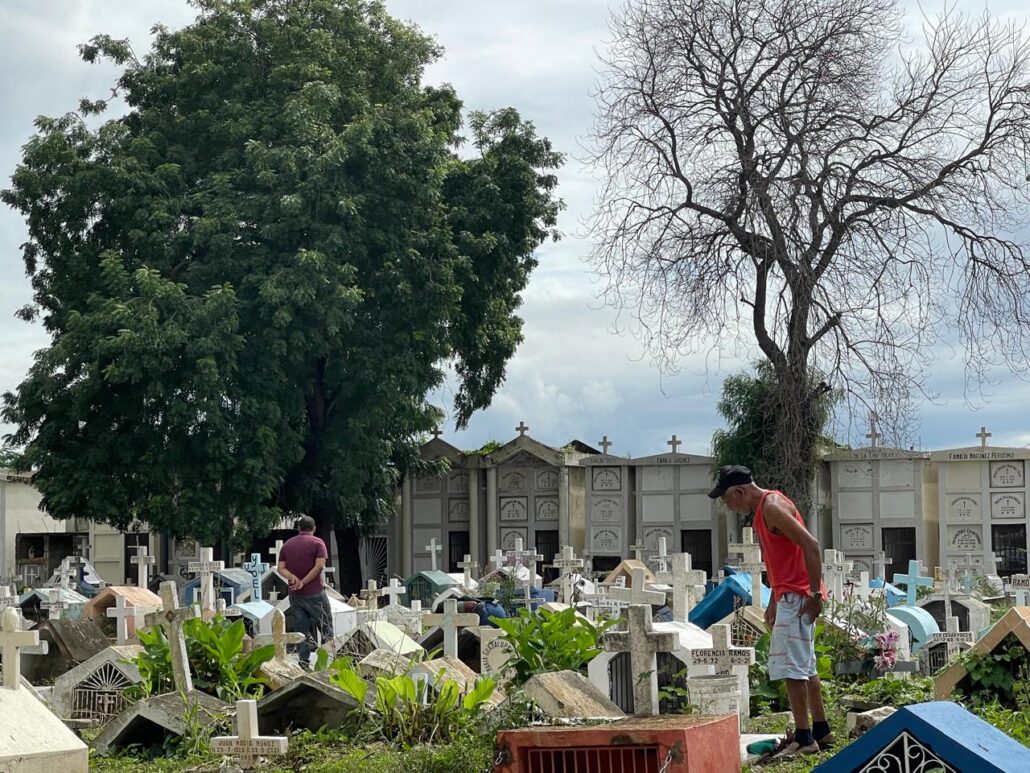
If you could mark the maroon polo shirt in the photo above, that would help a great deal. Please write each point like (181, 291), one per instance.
(299, 554)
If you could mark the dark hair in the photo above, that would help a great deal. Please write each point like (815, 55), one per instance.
(305, 523)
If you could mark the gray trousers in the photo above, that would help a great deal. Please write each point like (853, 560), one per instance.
(311, 616)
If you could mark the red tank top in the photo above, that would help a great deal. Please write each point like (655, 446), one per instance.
(784, 561)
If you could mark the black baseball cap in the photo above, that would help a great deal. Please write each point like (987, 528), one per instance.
(730, 475)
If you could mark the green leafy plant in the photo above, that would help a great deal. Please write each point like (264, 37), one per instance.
(1002, 675)
(218, 663)
(407, 712)
(893, 692)
(551, 641)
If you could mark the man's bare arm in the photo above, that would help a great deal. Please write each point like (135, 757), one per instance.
(780, 516)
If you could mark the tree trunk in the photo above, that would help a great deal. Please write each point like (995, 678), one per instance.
(348, 544)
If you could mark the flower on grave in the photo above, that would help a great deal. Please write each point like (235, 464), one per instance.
(887, 644)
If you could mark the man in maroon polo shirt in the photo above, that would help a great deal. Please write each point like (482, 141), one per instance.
(301, 563)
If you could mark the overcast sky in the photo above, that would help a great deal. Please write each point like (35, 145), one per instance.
(574, 376)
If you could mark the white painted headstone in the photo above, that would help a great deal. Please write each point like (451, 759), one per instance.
(248, 744)
(642, 643)
(121, 612)
(206, 568)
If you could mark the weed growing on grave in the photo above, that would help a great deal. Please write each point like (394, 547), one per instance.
(551, 641)
(1002, 675)
(219, 665)
(893, 692)
(407, 712)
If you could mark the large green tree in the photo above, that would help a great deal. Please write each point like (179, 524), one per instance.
(254, 276)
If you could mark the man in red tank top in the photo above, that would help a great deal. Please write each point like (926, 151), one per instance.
(794, 565)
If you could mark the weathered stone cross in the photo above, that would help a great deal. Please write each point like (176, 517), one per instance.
(68, 570)
(256, 568)
(605, 444)
(968, 569)
(880, 565)
(912, 581)
(522, 429)
(873, 435)
(836, 570)
(467, 566)
(437, 432)
(172, 618)
(674, 442)
(638, 551)
(371, 594)
(120, 613)
(529, 559)
(722, 654)
(684, 580)
(643, 644)
(248, 744)
(278, 637)
(143, 563)
(206, 568)
(565, 562)
(661, 558)
(449, 621)
(433, 547)
(638, 593)
(12, 639)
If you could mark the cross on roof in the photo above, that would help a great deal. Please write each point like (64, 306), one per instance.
(983, 434)
(12, 639)
(248, 744)
(171, 618)
(674, 442)
(637, 593)
(433, 547)
(436, 433)
(120, 613)
(143, 563)
(522, 429)
(873, 435)
(449, 621)
(912, 581)
(722, 654)
(605, 444)
(643, 644)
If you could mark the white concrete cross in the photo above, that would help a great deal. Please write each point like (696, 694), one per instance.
(749, 550)
(968, 569)
(371, 594)
(256, 568)
(983, 434)
(1019, 586)
(449, 621)
(66, 572)
(661, 558)
(880, 565)
(529, 559)
(638, 551)
(54, 604)
(638, 592)
(643, 644)
(684, 580)
(171, 618)
(248, 744)
(120, 613)
(414, 624)
(275, 551)
(953, 637)
(278, 637)
(143, 563)
(13, 639)
(722, 654)
(499, 559)
(433, 547)
(565, 562)
(835, 572)
(467, 566)
(394, 590)
(206, 568)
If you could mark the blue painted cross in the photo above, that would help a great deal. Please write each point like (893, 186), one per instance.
(912, 581)
(256, 568)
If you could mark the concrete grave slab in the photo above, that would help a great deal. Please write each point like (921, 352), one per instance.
(310, 702)
(384, 663)
(70, 642)
(570, 695)
(932, 736)
(149, 721)
(377, 634)
(34, 740)
(94, 689)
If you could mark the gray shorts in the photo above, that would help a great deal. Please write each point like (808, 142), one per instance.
(792, 644)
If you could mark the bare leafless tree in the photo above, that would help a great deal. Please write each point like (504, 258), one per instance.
(802, 172)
